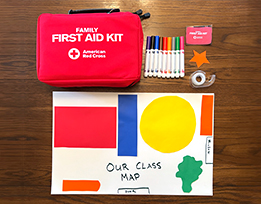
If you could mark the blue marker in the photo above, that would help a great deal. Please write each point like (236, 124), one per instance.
(156, 57)
(160, 68)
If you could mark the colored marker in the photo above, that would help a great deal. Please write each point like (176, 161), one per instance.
(156, 57)
(169, 58)
(147, 60)
(165, 52)
(160, 68)
(173, 58)
(182, 62)
(177, 58)
(152, 53)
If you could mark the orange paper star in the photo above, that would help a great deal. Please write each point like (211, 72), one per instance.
(199, 58)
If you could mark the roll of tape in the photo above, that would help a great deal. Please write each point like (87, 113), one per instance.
(201, 76)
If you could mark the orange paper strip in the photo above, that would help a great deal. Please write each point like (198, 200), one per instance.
(81, 185)
(206, 126)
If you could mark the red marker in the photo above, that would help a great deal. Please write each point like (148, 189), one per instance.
(164, 55)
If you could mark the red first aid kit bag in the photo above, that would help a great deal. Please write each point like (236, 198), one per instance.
(89, 49)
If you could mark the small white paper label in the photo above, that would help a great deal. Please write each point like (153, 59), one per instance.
(209, 150)
(142, 190)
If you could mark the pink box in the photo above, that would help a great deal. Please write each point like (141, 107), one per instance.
(199, 35)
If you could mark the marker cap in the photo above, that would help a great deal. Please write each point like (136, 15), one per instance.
(157, 42)
(182, 42)
(148, 44)
(169, 43)
(161, 43)
(173, 43)
(152, 42)
(165, 42)
(177, 43)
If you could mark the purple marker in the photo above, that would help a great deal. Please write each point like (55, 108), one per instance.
(147, 60)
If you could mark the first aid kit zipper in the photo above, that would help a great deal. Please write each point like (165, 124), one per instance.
(112, 10)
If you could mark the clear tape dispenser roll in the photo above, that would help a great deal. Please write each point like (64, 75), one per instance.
(202, 82)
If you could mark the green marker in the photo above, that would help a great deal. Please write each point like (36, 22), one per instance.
(177, 57)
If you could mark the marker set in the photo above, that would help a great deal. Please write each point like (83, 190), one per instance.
(164, 57)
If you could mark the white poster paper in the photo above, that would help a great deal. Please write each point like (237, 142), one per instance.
(132, 143)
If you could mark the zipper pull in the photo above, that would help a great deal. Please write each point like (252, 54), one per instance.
(139, 12)
(144, 16)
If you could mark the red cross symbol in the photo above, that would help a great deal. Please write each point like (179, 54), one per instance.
(74, 53)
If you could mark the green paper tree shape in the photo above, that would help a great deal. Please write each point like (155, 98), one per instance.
(189, 171)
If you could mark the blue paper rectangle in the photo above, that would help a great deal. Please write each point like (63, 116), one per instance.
(127, 125)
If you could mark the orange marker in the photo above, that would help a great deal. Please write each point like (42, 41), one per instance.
(169, 57)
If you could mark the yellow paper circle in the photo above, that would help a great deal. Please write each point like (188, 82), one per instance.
(168, 124)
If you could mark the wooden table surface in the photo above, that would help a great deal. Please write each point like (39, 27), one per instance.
(234, 56)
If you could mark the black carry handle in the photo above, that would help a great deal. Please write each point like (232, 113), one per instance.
(94, 11)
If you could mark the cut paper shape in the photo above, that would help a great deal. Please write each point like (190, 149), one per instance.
(168, 124)
(199, 58)
(189, 171)
(209, 150)
(140, 190)
(85, 127)
(81, 185)
(127, 125)
(207, 105)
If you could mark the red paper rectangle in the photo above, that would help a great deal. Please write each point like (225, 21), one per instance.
(85, 127)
